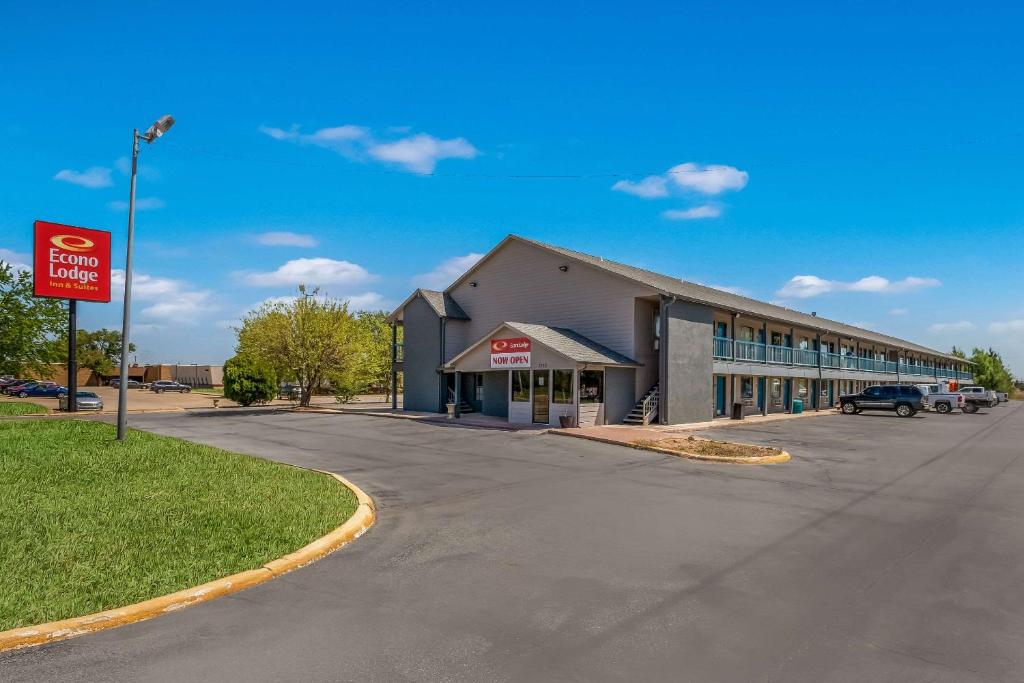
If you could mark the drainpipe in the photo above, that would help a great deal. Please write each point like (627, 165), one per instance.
(817, 399)
(394, 367)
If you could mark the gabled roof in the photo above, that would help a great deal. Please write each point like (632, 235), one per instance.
(693, 292)
(442, 303)
(566, 342)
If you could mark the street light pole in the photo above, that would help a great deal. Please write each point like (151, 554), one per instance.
(122, 387)
(162, 125)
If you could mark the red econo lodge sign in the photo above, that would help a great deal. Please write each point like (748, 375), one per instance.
(71, 263)
(510, 353)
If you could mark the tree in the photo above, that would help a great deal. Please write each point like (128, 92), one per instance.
(100, 350)
(248, 380)
(28, 325)
(375, 361)
(310, 339)
(990, 371)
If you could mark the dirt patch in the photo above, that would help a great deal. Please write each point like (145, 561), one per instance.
(721, 449)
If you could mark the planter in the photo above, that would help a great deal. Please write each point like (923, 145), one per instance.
(451, 410)
(566, 421)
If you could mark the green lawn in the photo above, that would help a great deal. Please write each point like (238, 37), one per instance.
(11, 408)
(87, 523)
(212, 391)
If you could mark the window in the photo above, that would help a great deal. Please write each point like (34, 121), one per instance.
(805, 343)
(776, 339)
(873, 392)
(592, 386)
(747, 334)
(721, 329)
(747, 386)
(561, 385)
(520, 385)
(777, 388)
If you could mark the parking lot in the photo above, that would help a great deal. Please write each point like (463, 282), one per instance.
(887, 549)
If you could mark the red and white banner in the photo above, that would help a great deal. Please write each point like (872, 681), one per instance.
(71, 263)
(510, 353)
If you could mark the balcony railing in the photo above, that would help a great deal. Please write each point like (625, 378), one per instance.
(782, 355)
(723, 347)
(805, 357)
(752, 351)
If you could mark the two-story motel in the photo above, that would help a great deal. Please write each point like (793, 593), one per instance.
(534, 332)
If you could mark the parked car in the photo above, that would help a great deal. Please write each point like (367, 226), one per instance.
(290, 390)
(938, 399)
(11, 383)
(130, 384)
(12, 387)
(86, 400)
(162, 385)
(978, 397)
(43, 390)
(1002, 396)
(905, 400)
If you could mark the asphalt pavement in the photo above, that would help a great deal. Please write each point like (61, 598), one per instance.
(887, 549)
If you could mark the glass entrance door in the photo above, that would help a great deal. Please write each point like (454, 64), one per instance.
(541, 397)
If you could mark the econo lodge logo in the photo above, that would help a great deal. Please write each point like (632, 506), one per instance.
(75, 265)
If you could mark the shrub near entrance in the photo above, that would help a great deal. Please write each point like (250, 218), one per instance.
(248, 381)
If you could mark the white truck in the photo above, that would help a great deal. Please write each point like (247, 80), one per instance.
(939, 398)
(978, 397)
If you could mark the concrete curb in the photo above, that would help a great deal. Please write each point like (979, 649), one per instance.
(760, 460)
(354, 527)
(440, 419)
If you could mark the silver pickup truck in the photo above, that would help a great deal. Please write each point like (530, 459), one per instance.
(941, 401)
(978, 397)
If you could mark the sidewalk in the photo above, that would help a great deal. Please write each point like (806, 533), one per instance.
(627, 434)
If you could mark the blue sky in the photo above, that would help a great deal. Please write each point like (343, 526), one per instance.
(870, 153)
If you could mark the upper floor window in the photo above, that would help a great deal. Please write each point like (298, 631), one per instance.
(747, 334)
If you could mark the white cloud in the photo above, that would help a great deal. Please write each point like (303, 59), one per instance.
(146, 172)
(447, 272)
(141, 204)
(710, 179)
(958, 326)
(806, 286)
(310, 271)
(420, 153)
(415, 153)
(16, 260)
(367, 301)
(93, 178)
(286, 239)
(689, 177)
(694, 213)
(651, 187)
(1007, 326)
(172, 300)
(898, 311)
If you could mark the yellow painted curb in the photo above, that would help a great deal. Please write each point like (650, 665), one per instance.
(354, 527)
(760, 460)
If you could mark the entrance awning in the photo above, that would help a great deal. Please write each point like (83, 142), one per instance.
(564, 343)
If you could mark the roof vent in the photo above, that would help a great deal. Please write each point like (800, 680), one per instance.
(814, 313)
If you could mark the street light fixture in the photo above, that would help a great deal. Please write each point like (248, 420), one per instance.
(159, 127)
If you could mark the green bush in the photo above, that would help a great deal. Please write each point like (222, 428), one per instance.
(248, 381)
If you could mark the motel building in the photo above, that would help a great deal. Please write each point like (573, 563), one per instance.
(534, 333)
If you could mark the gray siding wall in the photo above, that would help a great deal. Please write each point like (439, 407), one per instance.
(647, 375)
(422, 357)
(687, 392)
(496, 393)
(619, 384)
(521, 283)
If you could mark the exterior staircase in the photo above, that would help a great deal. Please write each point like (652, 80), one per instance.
(646, 409)
(464, 407)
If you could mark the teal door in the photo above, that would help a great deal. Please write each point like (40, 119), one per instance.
(760, 393)
(787, 386)
(831, 397)
(814, 393)
(719, 395)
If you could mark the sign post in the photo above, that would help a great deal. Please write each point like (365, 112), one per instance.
(71, 263)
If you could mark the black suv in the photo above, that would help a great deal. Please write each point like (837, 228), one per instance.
(160, 386)
(905, 399)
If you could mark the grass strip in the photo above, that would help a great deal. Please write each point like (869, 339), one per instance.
(91, 524)
(8, 408)
(699, 446)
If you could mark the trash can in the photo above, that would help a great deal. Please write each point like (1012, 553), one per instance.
(737, 411)
(798, 405)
